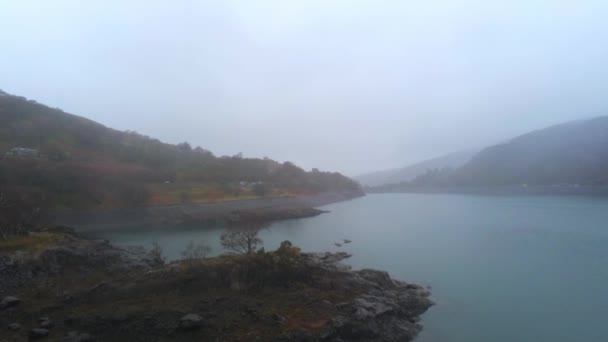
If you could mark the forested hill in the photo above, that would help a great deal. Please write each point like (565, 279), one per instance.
(71, 161)
(571, 153)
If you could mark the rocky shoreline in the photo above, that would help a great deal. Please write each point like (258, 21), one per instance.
(388, 310)
(83, 290)
(277, 208)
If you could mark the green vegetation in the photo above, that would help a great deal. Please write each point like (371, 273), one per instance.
(78, 163)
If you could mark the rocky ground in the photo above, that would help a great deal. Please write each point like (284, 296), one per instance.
(59, 287)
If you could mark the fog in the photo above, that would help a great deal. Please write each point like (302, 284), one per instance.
(351, 86)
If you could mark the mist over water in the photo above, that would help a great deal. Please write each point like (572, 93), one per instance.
(501, 268)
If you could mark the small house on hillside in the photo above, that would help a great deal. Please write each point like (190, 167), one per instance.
(22, 152)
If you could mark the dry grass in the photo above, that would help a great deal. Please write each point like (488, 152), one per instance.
(32, 243)
(200, 193)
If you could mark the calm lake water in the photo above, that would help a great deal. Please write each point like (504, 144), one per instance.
(501, 268)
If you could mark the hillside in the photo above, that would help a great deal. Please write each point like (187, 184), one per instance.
(409, 173)
(70, 161)
(570, 158)
(571, 153)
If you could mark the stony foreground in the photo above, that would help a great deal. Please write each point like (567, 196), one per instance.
(70, 289)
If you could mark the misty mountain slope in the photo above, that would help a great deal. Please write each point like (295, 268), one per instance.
(71, 161)
(574, 153)
(408, 173)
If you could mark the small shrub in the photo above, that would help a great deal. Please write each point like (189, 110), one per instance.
(195, 252)
(157, 255)
(288, 250)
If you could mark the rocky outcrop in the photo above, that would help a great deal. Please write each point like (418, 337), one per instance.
(389, 310)
(118, 295)
(383, 314)
(83, 257)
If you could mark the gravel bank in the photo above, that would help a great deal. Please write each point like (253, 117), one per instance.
(271, 208)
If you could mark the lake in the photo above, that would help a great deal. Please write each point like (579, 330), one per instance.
(501, 268)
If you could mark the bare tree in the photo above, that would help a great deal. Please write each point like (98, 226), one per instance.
(195, 252)
(241, 236)
(241, 241)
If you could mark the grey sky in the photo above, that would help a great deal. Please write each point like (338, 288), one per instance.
(351, 86)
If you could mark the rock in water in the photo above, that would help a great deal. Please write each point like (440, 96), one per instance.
(8, 302)
(191, 321)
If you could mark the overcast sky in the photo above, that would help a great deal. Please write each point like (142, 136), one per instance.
(351, 86)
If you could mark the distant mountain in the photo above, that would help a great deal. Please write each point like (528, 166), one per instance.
(571, 153)
(71, 161)
(409, 173)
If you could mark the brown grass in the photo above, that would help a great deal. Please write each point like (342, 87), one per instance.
(32, 243)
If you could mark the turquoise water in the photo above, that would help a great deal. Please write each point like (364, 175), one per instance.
(501, 268)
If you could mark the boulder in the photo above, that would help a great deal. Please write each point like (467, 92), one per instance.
(279, 319)
(45, 323)
(191, 321)
(366, 306)
(380, 278)
(75, 336)
(14, 327)
(326, 305)
(8, 302)
(39, 333)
